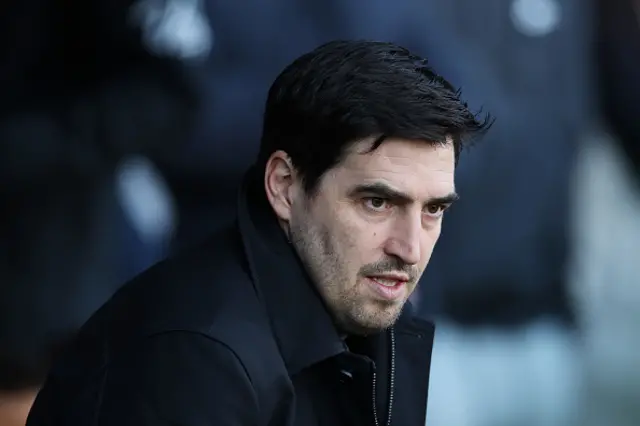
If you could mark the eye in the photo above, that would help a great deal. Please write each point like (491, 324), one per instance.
(436, 210)
(376, 204)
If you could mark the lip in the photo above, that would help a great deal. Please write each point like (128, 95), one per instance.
(394, 277)
(388, 293)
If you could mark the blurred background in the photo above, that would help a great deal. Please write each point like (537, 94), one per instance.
(125, 127)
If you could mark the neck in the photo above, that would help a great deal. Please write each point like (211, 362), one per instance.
(15, 406)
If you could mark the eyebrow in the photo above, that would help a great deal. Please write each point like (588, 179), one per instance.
(382, 190)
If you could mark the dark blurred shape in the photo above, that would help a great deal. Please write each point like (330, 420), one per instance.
(79, 93)
(618, 62)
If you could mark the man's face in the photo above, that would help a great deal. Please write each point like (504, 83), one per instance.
(368, 232)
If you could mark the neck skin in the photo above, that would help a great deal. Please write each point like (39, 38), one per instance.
(15, 406)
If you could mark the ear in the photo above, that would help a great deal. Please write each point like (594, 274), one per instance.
(280, 184)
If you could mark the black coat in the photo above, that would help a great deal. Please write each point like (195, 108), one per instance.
(233, 333)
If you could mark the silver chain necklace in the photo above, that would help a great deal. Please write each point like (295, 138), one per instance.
(392, 379)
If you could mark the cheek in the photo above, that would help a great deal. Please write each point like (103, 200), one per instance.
(368, 243)
(373, 238)
(429, 243)
(434, 234)
(356, 243)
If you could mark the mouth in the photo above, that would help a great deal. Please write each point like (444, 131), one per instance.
(390, 287)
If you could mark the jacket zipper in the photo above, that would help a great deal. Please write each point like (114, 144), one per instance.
(392, 378)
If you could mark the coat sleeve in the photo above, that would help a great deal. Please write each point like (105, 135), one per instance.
(178, 378)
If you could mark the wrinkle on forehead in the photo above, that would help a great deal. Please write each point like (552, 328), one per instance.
(415, 167)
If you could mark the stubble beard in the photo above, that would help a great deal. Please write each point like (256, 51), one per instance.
(343, 299)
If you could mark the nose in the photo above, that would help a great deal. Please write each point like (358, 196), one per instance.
(405, 240)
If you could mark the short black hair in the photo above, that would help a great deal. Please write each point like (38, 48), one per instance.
(346, 91)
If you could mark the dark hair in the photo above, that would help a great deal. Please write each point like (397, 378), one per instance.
(346, 91)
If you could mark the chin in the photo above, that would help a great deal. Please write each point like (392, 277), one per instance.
(357, 325)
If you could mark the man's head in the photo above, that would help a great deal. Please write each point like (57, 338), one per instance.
(359, 147)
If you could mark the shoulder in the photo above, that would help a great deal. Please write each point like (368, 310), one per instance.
(206, 290)
(192, 320)
(174, 377)
(194, 290)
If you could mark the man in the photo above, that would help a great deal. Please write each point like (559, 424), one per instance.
(294, 316)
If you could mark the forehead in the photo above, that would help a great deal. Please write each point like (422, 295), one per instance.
(420, 169)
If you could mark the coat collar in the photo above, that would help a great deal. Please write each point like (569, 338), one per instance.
(303, 327)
